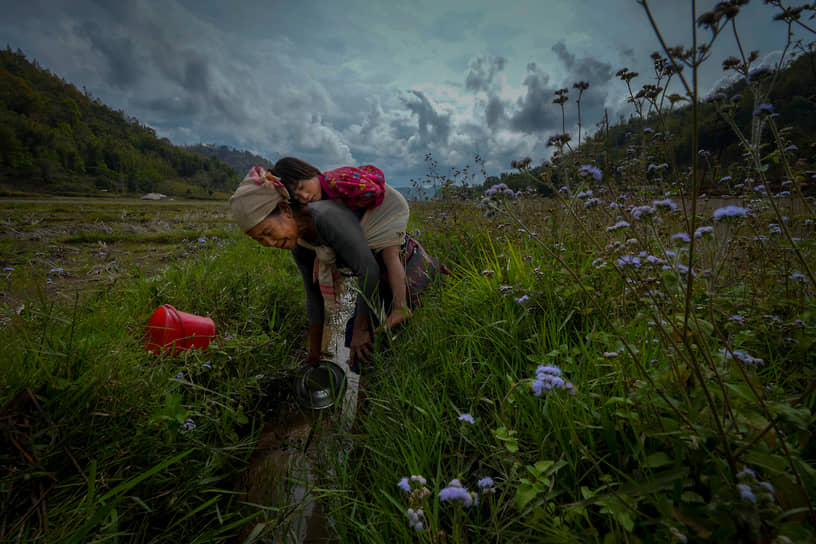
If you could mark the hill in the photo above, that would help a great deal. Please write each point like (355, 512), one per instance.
(637, 141)
(792, 99)
(55, 139)
(242, 161)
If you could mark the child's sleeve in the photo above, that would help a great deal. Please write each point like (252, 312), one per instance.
(357, 187)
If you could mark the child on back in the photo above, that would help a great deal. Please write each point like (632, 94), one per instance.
(360, 189)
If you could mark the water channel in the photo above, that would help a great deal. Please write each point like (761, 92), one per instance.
(291, 455)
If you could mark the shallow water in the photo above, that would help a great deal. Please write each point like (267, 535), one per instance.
(290, 456)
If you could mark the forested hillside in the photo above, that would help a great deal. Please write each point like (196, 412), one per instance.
(665, 138)
(57, 139)
(792, 99)
(242, 161)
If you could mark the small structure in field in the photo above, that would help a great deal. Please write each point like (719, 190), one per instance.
(155, 196)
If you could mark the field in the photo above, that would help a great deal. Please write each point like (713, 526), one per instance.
(556, 362)
(626, 361)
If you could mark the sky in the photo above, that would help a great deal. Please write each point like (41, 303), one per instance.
(353, 82)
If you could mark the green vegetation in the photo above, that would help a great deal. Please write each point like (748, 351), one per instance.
(242, 161)
(602, 366)
(55, 139)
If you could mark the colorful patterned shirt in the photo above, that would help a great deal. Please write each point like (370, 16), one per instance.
(357, 187)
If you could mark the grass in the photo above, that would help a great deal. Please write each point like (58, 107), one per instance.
(615, 366)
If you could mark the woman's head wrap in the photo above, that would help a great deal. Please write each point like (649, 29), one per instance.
(256, 197)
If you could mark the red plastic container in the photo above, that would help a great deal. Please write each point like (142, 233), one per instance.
(171, 331)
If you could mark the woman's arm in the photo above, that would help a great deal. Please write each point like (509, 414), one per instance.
(315, 310)
(339, 229)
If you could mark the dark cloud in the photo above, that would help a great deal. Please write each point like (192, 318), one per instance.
(494, 112)
(434, 127)
(535, 111)
(124, 69)
(482, 71)
(589, 69)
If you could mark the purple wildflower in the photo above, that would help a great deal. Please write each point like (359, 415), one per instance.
(745, 493)
(702, 231)
(404, 484)
(415, 518)
(456, 492)
(588, 169)
(729, 211)
(467, 418)
(757, 73)
(487, 481)
(642, 212)
(742, 356)
(548, 378)
(629, 260)
(682, 236)
(618, 225)
(188, 425)
(665, 204)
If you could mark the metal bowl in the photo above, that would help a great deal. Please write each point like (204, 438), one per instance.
(320, 387)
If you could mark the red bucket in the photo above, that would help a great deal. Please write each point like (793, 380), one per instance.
(170, 330)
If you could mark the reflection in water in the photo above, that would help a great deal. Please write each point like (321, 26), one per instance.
(288, 460)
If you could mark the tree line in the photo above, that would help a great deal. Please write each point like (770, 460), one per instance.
(57, 139)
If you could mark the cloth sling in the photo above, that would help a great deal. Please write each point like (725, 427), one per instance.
(383, 226)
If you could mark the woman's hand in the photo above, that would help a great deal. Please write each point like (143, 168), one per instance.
(361, 344)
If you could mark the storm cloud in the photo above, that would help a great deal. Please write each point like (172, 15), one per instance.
(355, 81)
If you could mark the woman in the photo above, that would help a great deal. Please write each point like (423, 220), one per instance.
(323, 235)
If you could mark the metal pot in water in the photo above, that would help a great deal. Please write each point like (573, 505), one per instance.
(320, 387)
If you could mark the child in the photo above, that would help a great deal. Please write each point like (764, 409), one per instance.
(360, 189)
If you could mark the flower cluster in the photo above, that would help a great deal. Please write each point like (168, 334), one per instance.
(751, 489)
(617, 226)
(665, 204)
(455, 491)
(589, 170)
(742, 356)
(642, 212)
(467, 418)
(416, 518)
(188, 425)
(729, 211)
(548, 377)
(486, 485)
(500, 189)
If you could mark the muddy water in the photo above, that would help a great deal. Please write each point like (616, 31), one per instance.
(290, 458)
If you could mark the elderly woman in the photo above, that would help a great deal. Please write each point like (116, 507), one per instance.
(322, 235)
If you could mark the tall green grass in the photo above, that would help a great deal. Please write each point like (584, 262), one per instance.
(105, 441)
